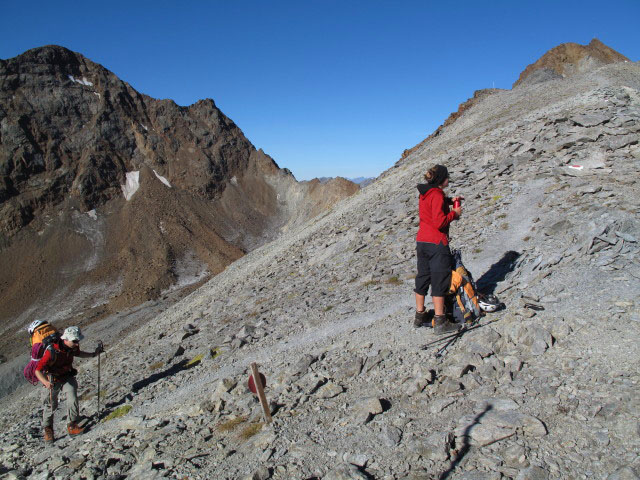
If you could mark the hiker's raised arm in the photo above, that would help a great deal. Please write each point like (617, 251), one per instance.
(83, 354)
(440, 219)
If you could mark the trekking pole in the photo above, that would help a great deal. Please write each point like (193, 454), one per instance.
(454, 336)
(50, 391)
(442, 350)
(100, 347)
(444, 339)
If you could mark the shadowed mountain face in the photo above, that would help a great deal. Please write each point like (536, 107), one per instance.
(109, 197)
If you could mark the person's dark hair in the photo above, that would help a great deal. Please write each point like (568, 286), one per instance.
(436, 175)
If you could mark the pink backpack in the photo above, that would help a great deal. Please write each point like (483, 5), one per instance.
(37, 351)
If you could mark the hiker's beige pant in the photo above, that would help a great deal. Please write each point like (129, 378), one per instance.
(70, 389)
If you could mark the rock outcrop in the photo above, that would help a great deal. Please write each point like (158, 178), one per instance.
(569, 59)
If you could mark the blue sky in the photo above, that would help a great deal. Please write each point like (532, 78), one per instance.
(325, 87)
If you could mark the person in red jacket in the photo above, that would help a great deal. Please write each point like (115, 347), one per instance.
(55, 371)
(434, 256)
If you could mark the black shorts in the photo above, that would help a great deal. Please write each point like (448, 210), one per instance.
(435, 263)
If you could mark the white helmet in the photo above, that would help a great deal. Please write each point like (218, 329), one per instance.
(35, 324)
(488, 303)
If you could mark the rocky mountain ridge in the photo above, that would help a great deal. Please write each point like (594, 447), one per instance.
(145, 195)
(549, 172)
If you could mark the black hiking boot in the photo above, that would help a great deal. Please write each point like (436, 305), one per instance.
(442, 325)
(423, 318)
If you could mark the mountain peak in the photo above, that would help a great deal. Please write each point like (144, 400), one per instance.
(49, 54)
(569, 59)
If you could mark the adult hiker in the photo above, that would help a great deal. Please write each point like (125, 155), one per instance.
(434, 257)
(55, 371)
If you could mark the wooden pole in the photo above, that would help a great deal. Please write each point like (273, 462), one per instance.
(260, 390)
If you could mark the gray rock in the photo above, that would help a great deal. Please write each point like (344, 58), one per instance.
(478, 475)
(302, 366)
(533, 473)
(590, 120)
(13, 475)
(365, 409)
(622, 141)
(436, 446)
(329, 390)
(515, 456)
(449, 386)
(357, 459)
(262, 473)
(488, 427)
(626, 237)
(496, 404)
(349, 369)
(345, 472)
(624, 473)
(439, 404)
(390, 436)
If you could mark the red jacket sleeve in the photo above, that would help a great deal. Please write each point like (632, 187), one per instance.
(44, 360)
(440, 220)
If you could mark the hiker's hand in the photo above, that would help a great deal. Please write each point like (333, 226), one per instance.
(458, 212)
(99, 349)
(47, 385)
(455, 199)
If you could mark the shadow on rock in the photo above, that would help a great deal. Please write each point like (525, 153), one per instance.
(498, 272)
(182, 365)
(466, 445)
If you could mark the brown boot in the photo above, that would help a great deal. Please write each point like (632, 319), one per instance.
(442, 325)
(74, 429)
(48, 434)
(423, 318)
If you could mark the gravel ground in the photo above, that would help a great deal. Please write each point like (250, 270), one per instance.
(355, 390)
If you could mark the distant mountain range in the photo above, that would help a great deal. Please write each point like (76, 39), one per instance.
(362, 181)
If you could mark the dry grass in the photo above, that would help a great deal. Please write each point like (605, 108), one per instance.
(194, 361)
(250, 430)
(231, 424)
(155, 366)
(118, 412)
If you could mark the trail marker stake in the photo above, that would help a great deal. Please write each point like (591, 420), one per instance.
(257, 379)
(100, 348)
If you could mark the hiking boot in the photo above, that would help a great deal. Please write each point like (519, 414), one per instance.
(422, 319)
(442, 325)
(48, 434)
(74, 429)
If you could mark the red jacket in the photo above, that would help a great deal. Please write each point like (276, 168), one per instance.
(61, 364)
(435, 215)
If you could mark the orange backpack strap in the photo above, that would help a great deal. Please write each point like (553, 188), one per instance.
(456, 281)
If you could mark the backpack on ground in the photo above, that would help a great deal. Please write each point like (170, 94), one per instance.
(463, 300)
(42, 336)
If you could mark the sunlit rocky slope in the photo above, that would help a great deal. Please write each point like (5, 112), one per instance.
(550, 175)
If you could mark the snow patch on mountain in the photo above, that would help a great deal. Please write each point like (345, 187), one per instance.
(132, 184)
